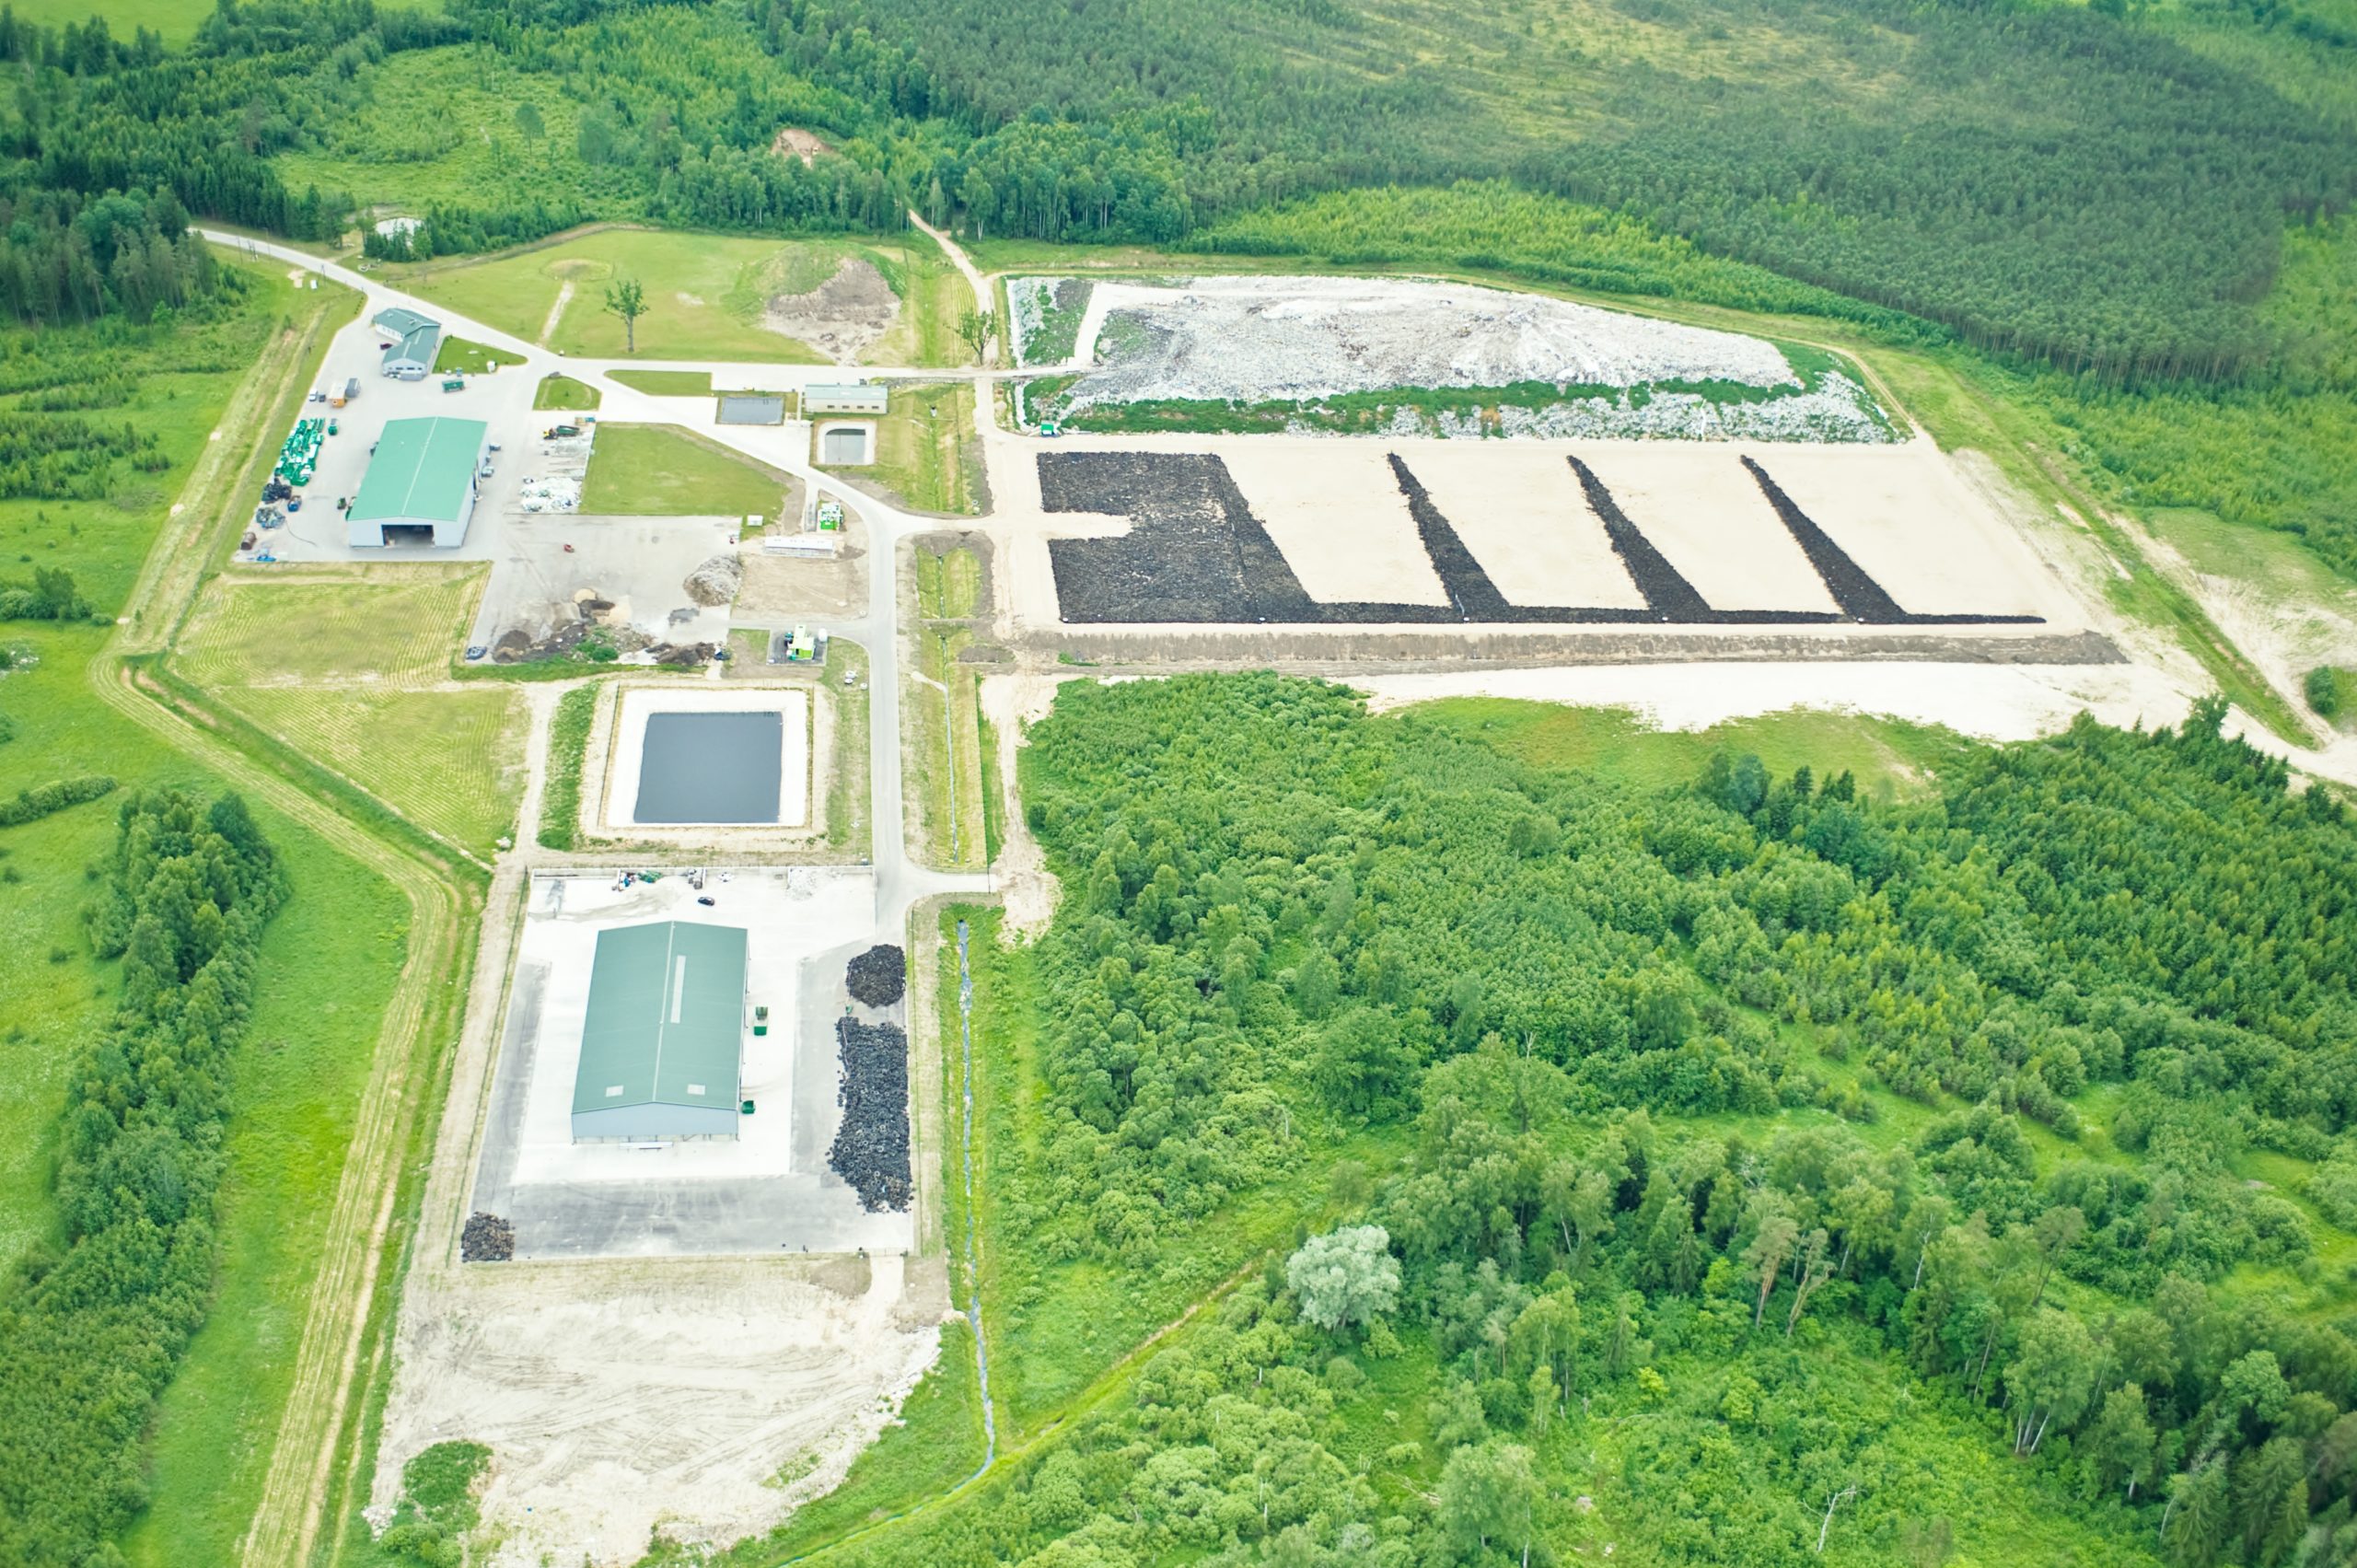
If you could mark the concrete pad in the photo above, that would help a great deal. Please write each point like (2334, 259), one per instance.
(766, 1190)
(503, 401)
(1906, 517)
(639, 564)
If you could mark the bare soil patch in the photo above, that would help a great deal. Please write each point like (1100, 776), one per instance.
(794, 142)
(841, 316)
(624, 1398)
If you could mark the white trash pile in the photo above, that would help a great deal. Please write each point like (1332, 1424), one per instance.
(566, 463)
(551, 495)
(1261, 339)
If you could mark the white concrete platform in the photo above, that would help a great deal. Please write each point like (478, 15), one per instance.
(768, 1188)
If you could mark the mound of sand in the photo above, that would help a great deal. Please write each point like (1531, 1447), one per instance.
(841, 316)
(715, 580)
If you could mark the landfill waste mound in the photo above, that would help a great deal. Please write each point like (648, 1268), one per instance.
(878, 977)
(871, 1149)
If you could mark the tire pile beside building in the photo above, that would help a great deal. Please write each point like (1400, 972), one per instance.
(871, 1148)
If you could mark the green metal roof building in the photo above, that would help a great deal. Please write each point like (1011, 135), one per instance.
(412, 357)
(664, 1038)
(420, 481)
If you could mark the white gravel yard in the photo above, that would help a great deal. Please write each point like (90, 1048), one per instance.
(1305, 340)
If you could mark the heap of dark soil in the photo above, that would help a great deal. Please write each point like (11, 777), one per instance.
(871, 1149)
(878, 977)
(486, 1239)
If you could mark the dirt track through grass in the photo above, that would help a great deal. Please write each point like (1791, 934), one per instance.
(317, 1413)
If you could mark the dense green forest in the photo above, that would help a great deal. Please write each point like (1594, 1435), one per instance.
(93, 1331)
(2080, 186)
(1745, 1156)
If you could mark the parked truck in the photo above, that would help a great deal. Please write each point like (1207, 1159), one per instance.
(346, 394)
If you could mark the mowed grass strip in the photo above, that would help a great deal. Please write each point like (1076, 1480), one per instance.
(659, 471)
(925, 454)
(399, 628)
(471, 358)
(667, 383)
(450, 761)
(565, 394)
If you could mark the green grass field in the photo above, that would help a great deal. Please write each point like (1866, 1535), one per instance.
(450, 761)
(704, 293)
(1888, 756)
(660, 470)
(51, 1007)
(562, 392)
(63, 732)
(352, 692)
(358, 627)
(171, 384)
(471, 358)
(329, 962)
(926, 457)
(174, 20)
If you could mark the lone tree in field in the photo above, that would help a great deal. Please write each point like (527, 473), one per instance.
(626, 297)
(1345, 1278)
(976, 327)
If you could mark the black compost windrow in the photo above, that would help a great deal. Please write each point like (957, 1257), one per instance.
(878, 977)
(871, 1148)
(1668, 596)
(1861, 598)
(1468, 586)
(1196, 554)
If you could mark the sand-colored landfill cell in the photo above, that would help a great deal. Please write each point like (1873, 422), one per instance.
(1704, 512)
(1339, 518)
(1519, 510)
(1908, 518)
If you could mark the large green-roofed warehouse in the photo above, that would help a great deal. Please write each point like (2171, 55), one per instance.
(420, 487)
(665, 1034)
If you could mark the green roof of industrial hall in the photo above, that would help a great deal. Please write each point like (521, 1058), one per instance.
(401, 322)
(422, 471)
(666, 1017)
(417, 344)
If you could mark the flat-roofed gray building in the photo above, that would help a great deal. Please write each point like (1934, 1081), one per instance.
(854, 397)
(664, 1038)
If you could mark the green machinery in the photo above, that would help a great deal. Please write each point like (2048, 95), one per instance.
(300, 455)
